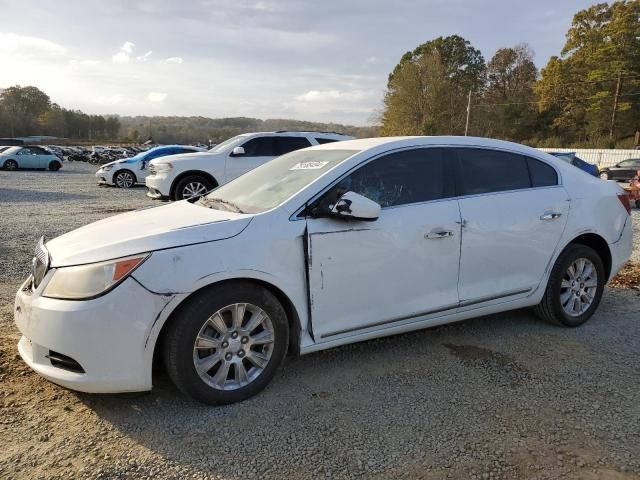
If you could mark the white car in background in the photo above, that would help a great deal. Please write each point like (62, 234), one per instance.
(191, 175)
(125, 173)
(13, 158)
(321, 247)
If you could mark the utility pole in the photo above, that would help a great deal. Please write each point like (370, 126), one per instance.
(466, 126)
(615, 106)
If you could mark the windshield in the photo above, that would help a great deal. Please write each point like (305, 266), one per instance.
(272, 183)
(230, 143)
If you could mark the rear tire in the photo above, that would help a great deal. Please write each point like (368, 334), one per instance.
(192, 186)
(226, 343)
(54, 166)
(573, 295)
(637, 203)
(10, 165)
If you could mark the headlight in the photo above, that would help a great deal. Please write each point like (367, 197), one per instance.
(106, 168)
(88, 281)
(162, 167)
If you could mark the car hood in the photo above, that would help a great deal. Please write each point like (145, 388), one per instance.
(122, 160)
(167, 226)
(185, 157)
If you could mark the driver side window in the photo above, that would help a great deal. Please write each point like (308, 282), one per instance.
(401, 178)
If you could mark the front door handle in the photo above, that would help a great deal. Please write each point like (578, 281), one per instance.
(550, 216)
(438, 234)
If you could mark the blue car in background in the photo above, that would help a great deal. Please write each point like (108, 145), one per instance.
(570, 157)
(127, 172)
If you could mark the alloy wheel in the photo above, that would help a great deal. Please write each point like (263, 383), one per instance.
(234, 346)
(193, 189)
(578, 287)
(124, 180)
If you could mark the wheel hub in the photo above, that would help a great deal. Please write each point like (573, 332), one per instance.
(578, 288)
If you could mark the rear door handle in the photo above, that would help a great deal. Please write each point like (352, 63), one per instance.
(550, 216)
(438, 234)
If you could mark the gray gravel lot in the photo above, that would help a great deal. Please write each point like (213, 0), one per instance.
(504, 396)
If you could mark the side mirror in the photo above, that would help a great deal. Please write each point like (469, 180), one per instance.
(356, 206)
(237, 152)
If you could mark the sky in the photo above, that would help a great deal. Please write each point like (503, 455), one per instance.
(321, 61)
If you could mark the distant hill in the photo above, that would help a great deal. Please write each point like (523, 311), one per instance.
(169, 130)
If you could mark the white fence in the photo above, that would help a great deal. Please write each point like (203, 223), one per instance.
(598, 156)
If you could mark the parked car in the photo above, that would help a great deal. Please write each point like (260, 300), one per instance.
(321, 247)
(573, 159)
(623, 171)
(125, 173)
(13, 158)
(186, 176)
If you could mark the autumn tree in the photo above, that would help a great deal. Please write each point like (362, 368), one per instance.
(427, 91)
(506, 106)
(577, 89)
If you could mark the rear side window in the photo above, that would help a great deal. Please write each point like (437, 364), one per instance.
(400, 178)
(486, 171)
(289, 144)
(325, 140)
(542, 175)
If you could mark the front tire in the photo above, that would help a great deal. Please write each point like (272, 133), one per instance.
(10, 165)
(604, 175)
(226, 344)
(54, 166)
(192, 186)
(574, 288)
(124, 179)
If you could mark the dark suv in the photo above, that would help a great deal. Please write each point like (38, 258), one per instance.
(623, 171)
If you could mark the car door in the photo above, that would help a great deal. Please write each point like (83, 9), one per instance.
(372, 275)
(28, 158)
(513, 214)
(257, 151)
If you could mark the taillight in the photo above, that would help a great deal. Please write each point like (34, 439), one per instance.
(626, 203)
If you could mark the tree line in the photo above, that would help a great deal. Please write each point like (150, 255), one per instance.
(588, 95)
(28, 111)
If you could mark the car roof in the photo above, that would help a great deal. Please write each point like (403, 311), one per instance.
(411, 141)
(297, 133)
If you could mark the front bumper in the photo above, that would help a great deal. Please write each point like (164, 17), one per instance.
(158, 186)
(107, 337)
(105, 177)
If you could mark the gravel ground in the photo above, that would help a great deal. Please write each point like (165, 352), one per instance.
(504, 396)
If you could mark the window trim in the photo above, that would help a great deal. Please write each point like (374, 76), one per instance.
(297, 213)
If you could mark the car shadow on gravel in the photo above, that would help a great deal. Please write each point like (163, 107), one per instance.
(14, 195)
(407, 384)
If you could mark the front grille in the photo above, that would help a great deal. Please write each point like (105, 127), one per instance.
(65, 362)
(40, 263)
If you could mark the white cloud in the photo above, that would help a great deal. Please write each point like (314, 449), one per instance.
(319, 96)
(177, 60)
(156, 97)
(128, 47)
(124, 55)
(11, 43)
(145, 57)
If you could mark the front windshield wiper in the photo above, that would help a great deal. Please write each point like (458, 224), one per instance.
(230, 205)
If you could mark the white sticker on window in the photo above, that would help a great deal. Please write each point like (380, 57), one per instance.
(308, 166)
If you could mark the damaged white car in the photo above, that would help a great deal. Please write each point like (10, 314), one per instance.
(321, 247)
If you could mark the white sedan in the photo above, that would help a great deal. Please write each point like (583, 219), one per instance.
(321, 247)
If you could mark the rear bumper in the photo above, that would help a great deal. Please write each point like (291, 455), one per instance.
(622, 248)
